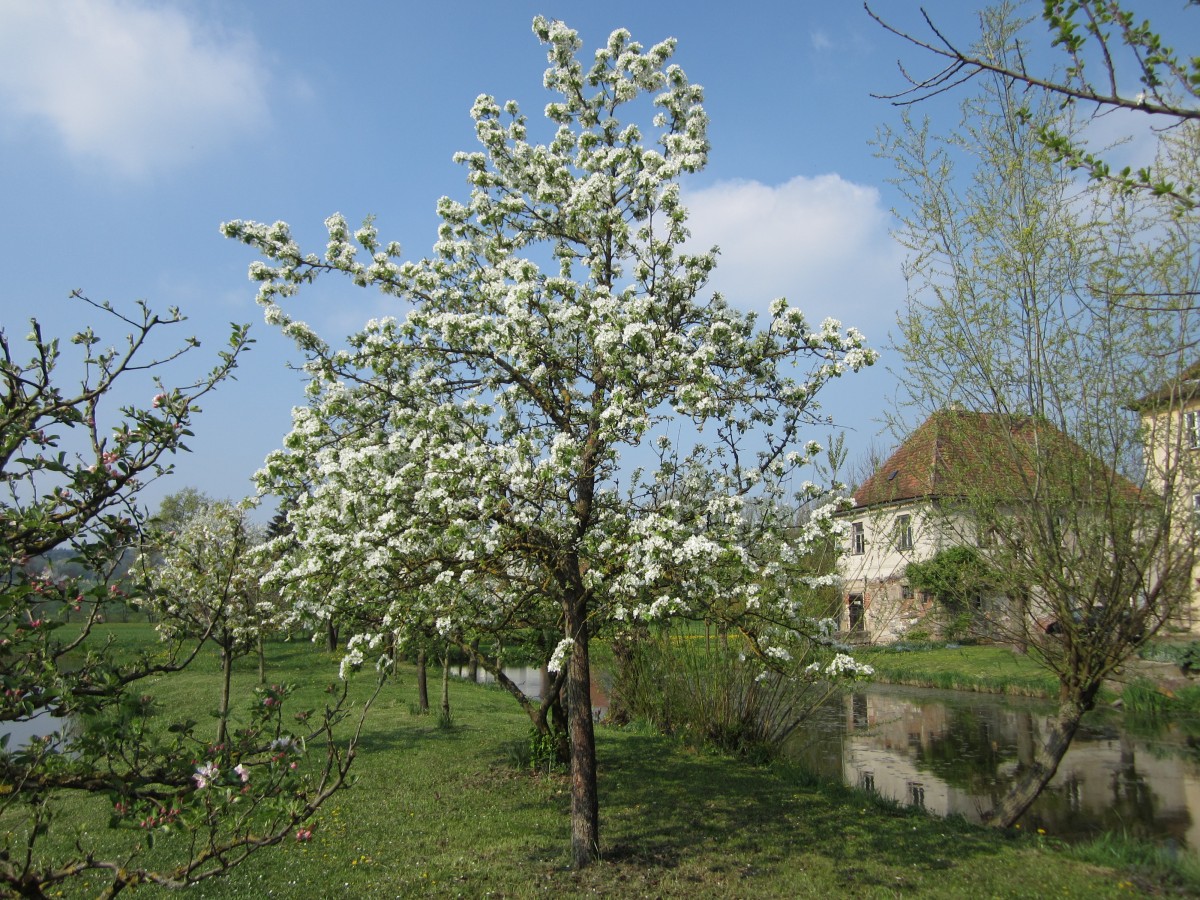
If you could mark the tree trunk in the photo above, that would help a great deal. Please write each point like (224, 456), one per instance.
(446, 686)
(331, 636)
(585, 807)
(1021, 645)
(473, 670)
(1034, 777)
(262, 661)
(226, 679)
(422, 683)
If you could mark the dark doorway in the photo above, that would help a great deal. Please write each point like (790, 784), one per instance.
(857, 622)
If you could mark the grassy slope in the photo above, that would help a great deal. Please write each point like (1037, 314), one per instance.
(991, 669)
(442, 812)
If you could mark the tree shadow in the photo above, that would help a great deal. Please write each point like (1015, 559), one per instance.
(659, 803)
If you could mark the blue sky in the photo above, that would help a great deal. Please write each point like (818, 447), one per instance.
(130, 129)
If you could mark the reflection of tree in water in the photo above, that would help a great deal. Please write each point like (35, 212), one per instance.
(978, 748)
(1131, 806)
(968, 754)
(983, 750)
(1161, 738)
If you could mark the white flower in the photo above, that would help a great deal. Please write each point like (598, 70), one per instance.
(778, 653)
(561, 652)
(846, 666)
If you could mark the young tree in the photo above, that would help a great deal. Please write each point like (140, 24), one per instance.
(476, 456)
(1019, 276)
(71, 471)
(1104, 44)
(204, 581)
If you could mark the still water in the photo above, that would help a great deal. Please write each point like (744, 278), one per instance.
(955, 753)
(22, 733)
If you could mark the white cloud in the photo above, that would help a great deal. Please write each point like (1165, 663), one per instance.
(821, 242)
(134, 87)
(821, 41)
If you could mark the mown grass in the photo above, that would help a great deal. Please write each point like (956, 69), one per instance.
(443, 812)
(995, 670)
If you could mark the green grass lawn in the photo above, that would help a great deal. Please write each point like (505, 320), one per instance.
(968, 668)
(444, 812)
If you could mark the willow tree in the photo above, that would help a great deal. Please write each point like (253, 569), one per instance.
(1110, 58)
(555, 338)
(1020, 281)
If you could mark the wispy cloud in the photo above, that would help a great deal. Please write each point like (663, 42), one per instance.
(134, 87)
(820, 40)
(821, 242)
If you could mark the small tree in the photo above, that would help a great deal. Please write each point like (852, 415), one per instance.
(206, 585)
(71, 472)
(469, 458)
(956, 576)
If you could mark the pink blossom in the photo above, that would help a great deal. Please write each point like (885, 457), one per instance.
(205, 774)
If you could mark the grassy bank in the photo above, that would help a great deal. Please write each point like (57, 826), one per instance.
(443, 812)
(994, 670)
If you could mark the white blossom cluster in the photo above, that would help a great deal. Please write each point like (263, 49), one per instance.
(206, 577)
(842, 666)
(462, 464)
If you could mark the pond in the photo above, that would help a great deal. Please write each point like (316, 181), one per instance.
(23, 732)
(955, 753)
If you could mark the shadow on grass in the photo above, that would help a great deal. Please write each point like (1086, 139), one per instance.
(660, 803)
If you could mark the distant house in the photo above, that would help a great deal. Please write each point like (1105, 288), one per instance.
(1171, 427)
(932, 494)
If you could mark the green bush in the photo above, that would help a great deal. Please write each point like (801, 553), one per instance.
(705, 692)
(1184, 655)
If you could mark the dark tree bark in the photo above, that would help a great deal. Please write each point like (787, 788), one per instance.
(331, 636)
(585, 807)
(422, 682)
(473, 666)
(446, 684)
(226, 682)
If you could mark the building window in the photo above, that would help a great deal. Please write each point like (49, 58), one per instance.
(906, 592)
(1191, 426)
(858, 539)
(904, 537)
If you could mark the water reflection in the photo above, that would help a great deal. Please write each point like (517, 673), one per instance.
(954, 753)
(23, 732)
(532, 680)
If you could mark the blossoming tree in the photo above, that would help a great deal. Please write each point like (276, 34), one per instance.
(204, 580)
(71, 469)
(502, 452)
